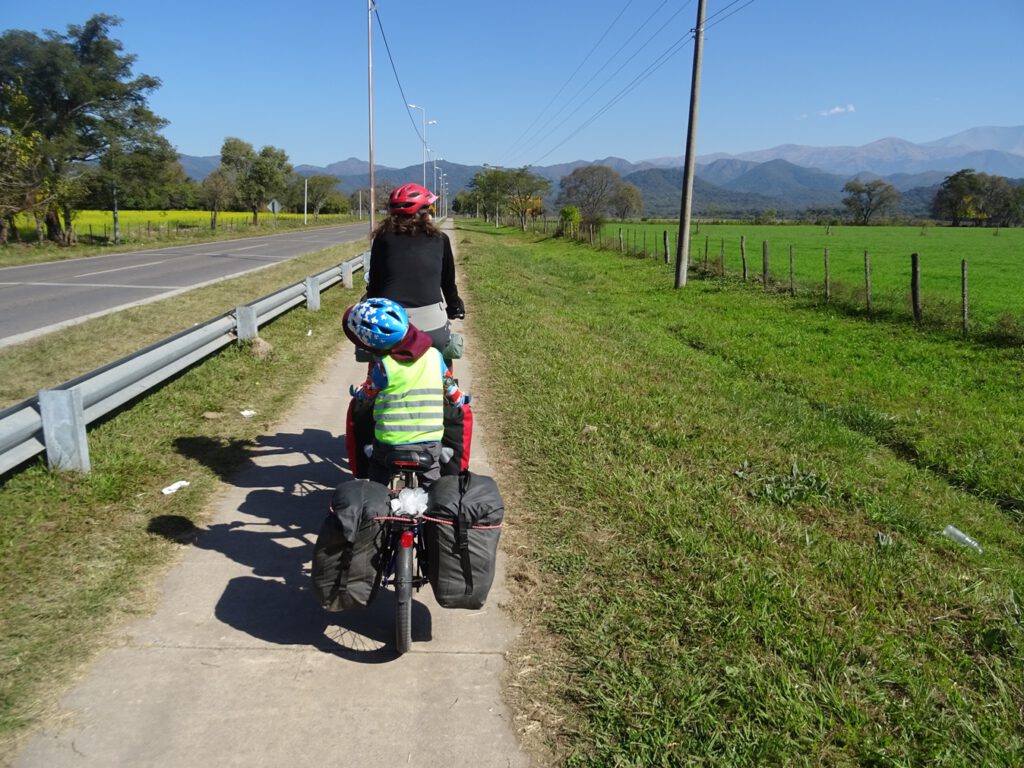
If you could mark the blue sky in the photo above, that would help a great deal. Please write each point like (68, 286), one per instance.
(822, 72)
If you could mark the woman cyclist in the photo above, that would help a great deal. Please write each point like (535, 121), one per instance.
(411, 263)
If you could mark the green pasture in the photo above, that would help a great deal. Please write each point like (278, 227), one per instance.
(995, 261)
(726, 513)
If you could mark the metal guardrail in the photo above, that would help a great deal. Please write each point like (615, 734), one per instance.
(55, 420)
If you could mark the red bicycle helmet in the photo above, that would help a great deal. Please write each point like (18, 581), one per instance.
(410, 198)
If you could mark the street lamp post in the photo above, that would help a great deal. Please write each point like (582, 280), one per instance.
(425, 123)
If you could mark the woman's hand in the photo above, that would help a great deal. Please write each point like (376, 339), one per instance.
(456, 310)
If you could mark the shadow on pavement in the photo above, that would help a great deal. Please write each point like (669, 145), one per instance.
(273, 535)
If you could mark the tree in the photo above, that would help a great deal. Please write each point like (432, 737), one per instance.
(490, 188)
(627, 200)
(569, 218)
(999, 201)
(590, 188)
(257, 176)
(319, 191)
(958, 197)
(864, 200)
(218, 191)
(136, 171)
(522, 188)
(81, 96)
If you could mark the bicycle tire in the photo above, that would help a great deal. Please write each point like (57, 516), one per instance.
(403, 602)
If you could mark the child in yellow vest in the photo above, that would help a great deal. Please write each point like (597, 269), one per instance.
(408, 383)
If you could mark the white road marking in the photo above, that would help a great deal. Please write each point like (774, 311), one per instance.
(247, 248)
(119, 269)
(98, 285)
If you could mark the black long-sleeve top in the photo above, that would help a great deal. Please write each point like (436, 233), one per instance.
(415, 270)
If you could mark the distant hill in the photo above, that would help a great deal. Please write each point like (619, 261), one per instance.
(661, 189)
(788, 178)
(892, 155)
(198, 168)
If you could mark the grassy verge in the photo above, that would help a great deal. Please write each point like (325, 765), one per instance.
(76, 554)
(733, 503)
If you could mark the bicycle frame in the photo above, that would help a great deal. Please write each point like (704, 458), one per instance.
(406, 563)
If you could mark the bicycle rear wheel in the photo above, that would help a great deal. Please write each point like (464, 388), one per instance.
(403, 592)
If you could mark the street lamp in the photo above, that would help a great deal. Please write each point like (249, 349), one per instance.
(425, 122)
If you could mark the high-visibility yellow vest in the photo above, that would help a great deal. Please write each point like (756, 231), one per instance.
(410, 409)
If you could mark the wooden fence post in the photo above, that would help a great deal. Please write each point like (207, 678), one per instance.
(828, 281)
(620, 240)
(743, 255)
(915, 285)
(664, 235)
(706, 239)
(645, 243)
(792, 275)
(721, 258)
(963, 295)
(867, 279)
(764, 263)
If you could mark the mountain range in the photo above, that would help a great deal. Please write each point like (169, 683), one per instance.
(788, 177)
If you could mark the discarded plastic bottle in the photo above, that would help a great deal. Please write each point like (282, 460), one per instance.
(960, 538)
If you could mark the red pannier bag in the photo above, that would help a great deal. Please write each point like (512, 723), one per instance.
(458, 436)
(358, 433)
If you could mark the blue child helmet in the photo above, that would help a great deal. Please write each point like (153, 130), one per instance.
(378, 323)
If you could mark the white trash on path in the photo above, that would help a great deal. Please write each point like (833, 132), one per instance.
(248, 413)
(175, 487)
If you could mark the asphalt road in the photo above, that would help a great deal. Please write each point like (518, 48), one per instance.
(39, 298)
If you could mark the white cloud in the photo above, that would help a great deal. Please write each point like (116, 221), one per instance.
(837, 110)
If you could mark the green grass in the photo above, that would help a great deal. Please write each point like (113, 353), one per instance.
(150, 229)
(708, 484)
(995, 263)
(76, 552)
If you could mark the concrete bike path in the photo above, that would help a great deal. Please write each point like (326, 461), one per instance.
(240, 666)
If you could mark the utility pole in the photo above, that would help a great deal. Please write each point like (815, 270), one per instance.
(685, 203)
(369, 69)
(305, 201)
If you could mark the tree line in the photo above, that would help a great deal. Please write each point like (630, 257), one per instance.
(76, 133)
(590, 194)
(966, 196)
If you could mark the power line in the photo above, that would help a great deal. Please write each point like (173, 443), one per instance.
(654, 66)
(730, 5)
(569, 79)
(651, 68)
(538, 134)
(394, 69)
(611, 76)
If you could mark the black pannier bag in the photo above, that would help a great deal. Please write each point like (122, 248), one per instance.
(462, 526)
(345, 555)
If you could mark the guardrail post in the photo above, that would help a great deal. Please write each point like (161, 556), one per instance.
(312, 294)
(64, 429)
(346, 275)
(366, 262)
(245, 323)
